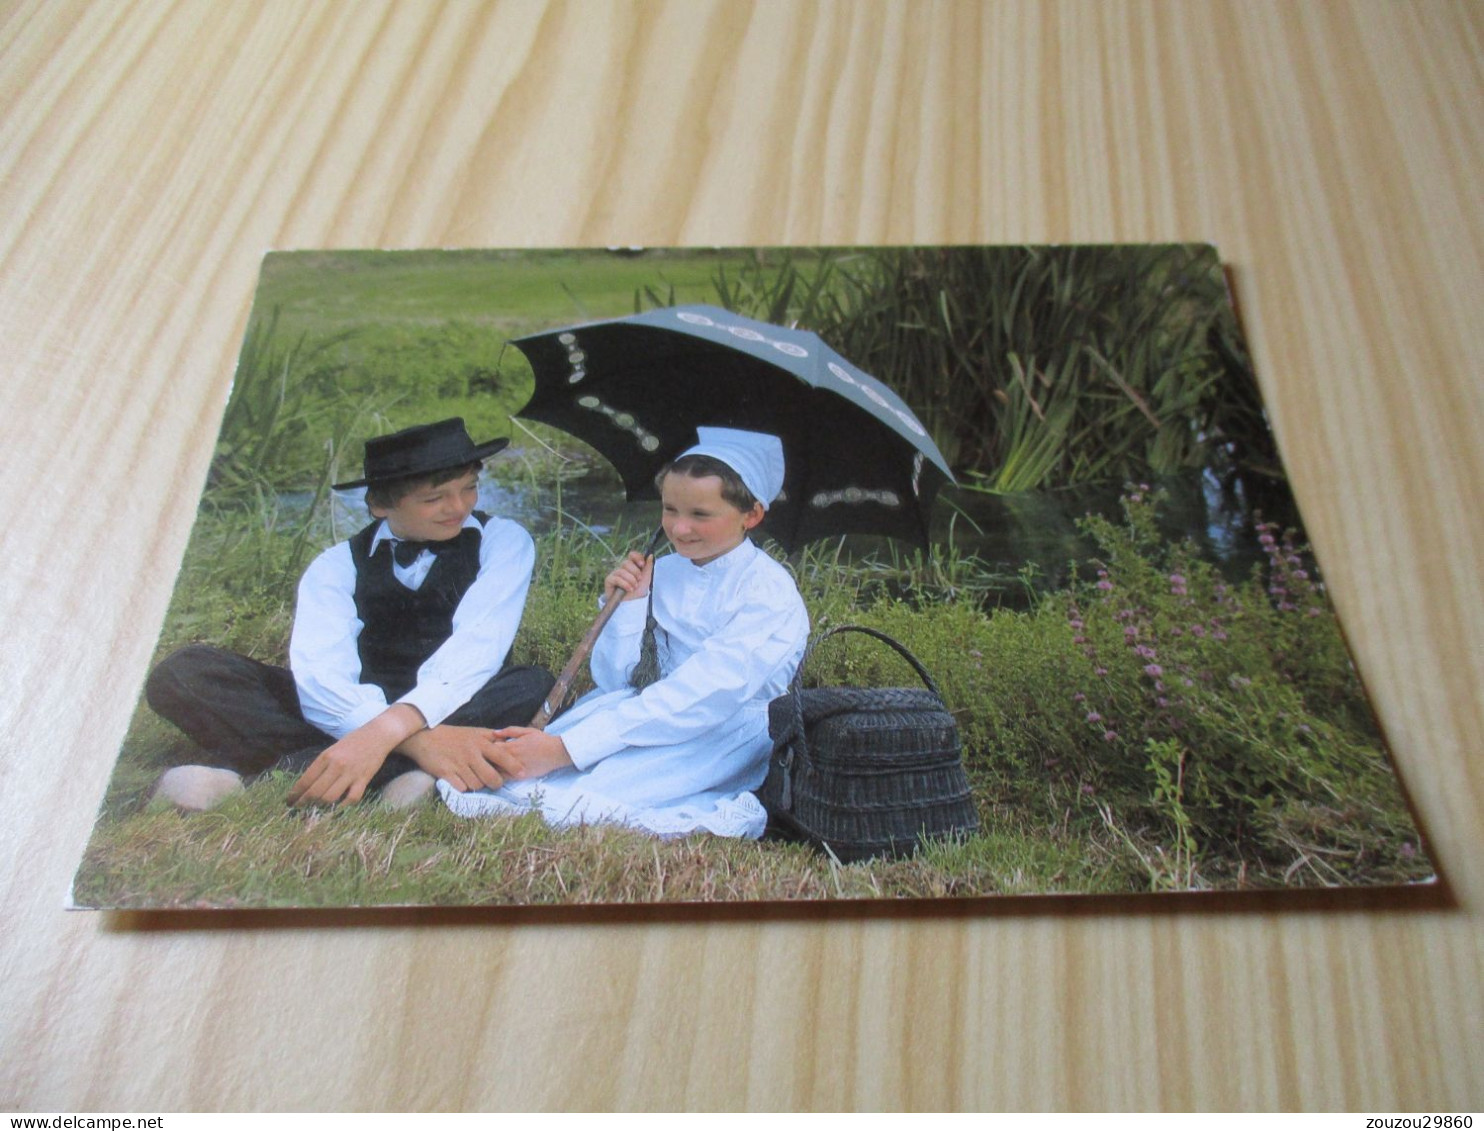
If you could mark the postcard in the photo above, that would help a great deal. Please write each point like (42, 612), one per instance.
(664, 575)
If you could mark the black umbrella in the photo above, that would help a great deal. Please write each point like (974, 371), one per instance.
(857, 459)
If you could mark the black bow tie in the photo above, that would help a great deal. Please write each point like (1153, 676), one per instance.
(404, 553)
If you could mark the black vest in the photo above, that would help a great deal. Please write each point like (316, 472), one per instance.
(401, 627)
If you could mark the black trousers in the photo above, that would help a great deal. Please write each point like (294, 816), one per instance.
(245, 714)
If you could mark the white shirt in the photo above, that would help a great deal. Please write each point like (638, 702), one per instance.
(735, 630)
(322, 649)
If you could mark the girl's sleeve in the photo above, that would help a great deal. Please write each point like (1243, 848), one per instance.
(617, 649)
(748, 650)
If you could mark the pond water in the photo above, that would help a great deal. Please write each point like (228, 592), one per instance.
(1006, 532)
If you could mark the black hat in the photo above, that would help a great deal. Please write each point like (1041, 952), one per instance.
(421, 451)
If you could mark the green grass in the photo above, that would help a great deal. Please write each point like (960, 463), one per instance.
(342, 346)
(324, 292)
(254, 852)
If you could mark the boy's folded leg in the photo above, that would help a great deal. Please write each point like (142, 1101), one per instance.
(297, 761)
(511, 698)
(396, 766)
(244, 711)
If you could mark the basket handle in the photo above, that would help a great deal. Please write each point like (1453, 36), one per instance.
(901, 650)
(796, 694)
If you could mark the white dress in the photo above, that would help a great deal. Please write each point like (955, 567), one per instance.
(683, 755)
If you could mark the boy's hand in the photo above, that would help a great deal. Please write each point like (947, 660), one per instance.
(530, 753)
(462, 756)
(341, 772)
(631, 576)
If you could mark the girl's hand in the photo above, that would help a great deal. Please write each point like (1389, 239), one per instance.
(631, 577)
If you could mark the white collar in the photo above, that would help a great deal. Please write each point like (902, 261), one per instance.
(384, 533)
(739, 555)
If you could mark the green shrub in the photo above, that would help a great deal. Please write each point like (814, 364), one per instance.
(1218, 711)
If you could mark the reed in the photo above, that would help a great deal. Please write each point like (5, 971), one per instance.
(1035, 367)
(286, 405)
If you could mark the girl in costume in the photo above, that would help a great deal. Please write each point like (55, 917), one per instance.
(683, 753)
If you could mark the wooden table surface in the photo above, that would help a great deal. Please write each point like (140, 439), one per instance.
(151, 152)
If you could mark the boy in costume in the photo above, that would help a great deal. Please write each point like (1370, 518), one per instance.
(682, 753)
(397, 653)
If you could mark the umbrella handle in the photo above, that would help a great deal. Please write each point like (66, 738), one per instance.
(563, 685)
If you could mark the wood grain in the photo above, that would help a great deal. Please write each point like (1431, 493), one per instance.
(151, 152)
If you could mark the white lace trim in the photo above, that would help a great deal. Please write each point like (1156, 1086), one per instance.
(741, 816)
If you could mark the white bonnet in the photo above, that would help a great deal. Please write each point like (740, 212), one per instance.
(756, 457)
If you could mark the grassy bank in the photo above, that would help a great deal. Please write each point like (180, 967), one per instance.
(252, 852)
(1152, 727)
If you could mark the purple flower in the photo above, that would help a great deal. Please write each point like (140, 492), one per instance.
(1110, 735)
(1075, 623)
(1153, 671)
(1197, 630)
(1145, 652)
(1176, 579)
(1300, 575)
(1094, 717)
(1105, 585)
(1079, 698)
(1087, 788)
(1099, 671)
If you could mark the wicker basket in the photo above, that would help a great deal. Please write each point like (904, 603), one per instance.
(865, 772)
